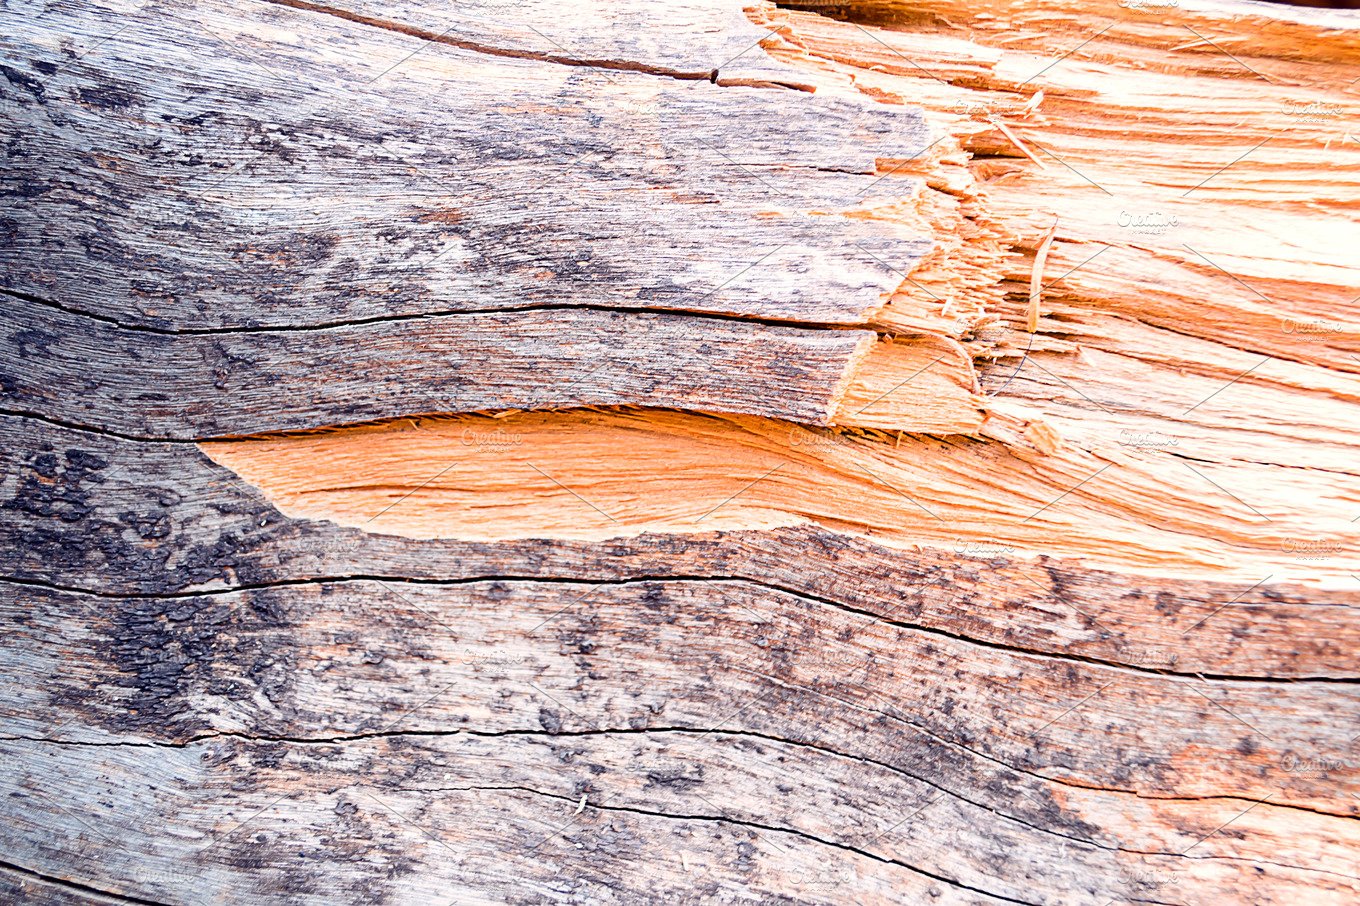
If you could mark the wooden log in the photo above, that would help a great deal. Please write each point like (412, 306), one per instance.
(816, 573)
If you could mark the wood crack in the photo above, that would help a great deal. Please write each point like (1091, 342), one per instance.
(99, 431)
(695, 75)
(754, 825)
(1025, 771)
(708, 315)
(1252, 861)
(1257, 462)
(553, 357)
(817, 839)
(340, 739)
(700, 580)
(605, 732)
(77, 886)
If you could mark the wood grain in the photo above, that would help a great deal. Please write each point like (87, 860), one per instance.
(363, 193)
(855, 651)
(150, 385)
(721, 702)
(575, 474)
(100, 514)
(287, 216)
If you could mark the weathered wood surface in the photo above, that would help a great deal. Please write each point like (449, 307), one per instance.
(796, 728)
(281, 180)
(22, 886)
(147, 384)
(208, 700)
(683, 700)
(313, 661)
(98, 514)
(454, 816)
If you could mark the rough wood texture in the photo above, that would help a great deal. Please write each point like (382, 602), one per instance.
(151, 385)
(1055, 617)
(311, 661)
(684, 701)
(82, 511)
(544, 184)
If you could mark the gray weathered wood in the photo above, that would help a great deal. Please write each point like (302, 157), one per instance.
(472, 829)
(336, 658)
(24, 886)
(202, 168)
(483, 712)
(87, 372)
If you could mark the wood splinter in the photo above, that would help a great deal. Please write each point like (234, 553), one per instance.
(1036, 278)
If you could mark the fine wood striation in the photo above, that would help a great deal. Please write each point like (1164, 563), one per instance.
(576, 475)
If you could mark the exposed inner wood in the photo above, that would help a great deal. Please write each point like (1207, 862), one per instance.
(1227, 212)
(922, 384)
(604, 474)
